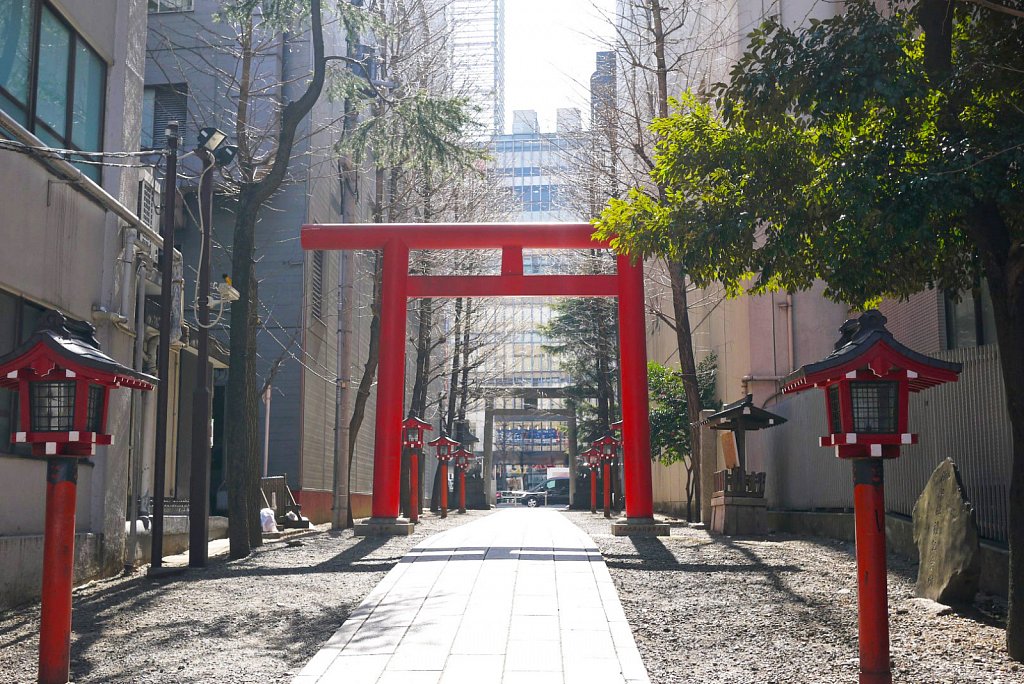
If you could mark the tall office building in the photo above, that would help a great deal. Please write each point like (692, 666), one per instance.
(478, 49)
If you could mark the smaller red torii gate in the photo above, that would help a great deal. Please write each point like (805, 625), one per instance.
(396, 240)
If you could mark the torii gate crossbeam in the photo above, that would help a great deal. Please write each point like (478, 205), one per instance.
(396, 240)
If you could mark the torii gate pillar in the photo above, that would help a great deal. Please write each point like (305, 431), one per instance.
(398, 286)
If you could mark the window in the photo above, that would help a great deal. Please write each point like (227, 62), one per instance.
(18, 319)
(970, 321)
(51, 81)
(162, 6)
(161, 104)
(316, 289)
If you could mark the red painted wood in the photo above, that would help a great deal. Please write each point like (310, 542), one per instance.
(444, 489)
(872, 601)
(512, 261)
(636, 436)
(593, 489)
(58, 569)
(607, 490)
(514, 286)
(451, 236)
(414, 486)
(462, 490)
(391, 383)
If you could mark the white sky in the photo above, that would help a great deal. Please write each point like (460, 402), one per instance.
(549, 55)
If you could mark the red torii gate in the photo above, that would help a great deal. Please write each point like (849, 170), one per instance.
(396, 240)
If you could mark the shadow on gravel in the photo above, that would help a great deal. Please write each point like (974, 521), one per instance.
(652, 554)
(95, 614)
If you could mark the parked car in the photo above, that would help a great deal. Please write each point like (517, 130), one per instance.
(554, 490)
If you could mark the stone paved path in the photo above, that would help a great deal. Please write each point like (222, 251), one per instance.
(518, 596)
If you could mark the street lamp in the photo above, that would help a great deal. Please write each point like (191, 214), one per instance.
(213, 152)
(444, 445)
(593, 459)
(867, 382)
(608, 447)
(412, 440)
(463, 460)
(63, 383)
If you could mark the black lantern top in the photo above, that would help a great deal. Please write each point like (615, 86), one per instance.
(865, 344)
(742, 415)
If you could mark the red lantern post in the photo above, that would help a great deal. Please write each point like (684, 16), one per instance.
(608, 447)
(867, 382)
(412, 440)
(63, 382)
(463, 459)
(444, 445)
(593, 459)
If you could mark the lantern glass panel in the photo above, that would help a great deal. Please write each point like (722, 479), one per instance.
(94, 419)
(875, 406)
(835, 422)
(52, 406)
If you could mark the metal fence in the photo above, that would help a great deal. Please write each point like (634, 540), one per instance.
(966, 421)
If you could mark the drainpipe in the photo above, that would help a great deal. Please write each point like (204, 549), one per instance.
(135, 428)
(787, 306)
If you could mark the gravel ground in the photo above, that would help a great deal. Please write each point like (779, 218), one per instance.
(259, 619)
(784, 610)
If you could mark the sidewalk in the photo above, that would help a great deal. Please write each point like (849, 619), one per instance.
(518, 596)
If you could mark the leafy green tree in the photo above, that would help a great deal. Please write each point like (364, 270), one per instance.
(880, 152)
(583, 334)
(670, 423)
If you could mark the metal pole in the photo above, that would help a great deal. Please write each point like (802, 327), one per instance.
(163, 359)
(266, 428)
(872, 597)
(636, 427)
(58, 570)
(199, 481)
(391, 384)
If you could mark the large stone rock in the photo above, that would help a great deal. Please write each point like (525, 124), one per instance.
(947, 539)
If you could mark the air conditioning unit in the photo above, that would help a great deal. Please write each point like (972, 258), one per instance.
(148, 206)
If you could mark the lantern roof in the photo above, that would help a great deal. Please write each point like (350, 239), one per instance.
(607, 439)
(414, 422)
(68, 344)
(743, 415)
(461, 451)
(617, 425)
(866, 344)
(443, 440)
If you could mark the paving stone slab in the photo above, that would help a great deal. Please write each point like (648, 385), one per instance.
(517, 596)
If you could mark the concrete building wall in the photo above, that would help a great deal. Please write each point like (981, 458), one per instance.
(61, 251)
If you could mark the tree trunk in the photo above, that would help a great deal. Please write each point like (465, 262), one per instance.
(688, 367)
(453, 383)
(1003, 263)
(369, 373)
(242, 409)
(241, 420)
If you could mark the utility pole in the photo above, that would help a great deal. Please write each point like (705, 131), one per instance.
(164, 351)
(199, 482)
